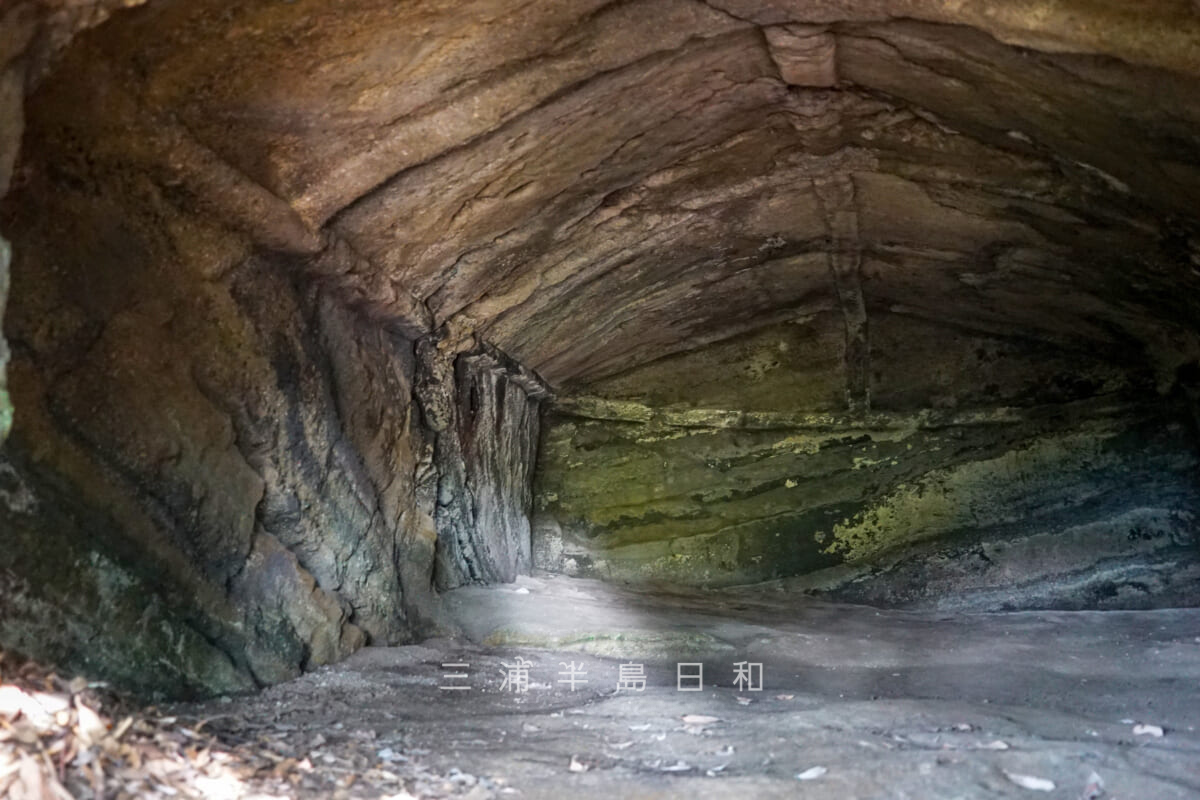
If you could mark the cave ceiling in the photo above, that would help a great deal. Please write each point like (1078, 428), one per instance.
(591, 186)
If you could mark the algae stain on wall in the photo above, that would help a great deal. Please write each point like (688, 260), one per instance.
(978, 493)
(703, 497)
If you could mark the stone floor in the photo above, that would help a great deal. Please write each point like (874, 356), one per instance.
(855, 703)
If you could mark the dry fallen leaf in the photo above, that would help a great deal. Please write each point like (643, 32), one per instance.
(90, 728)
(29, 780)
(122, 728)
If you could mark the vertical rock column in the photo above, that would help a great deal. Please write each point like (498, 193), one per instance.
(484, 409)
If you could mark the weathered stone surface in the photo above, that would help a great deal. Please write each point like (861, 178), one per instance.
(245, 447)
(214, 461)
(32, 33)
(1073, 505)
(254, 448)
(805, 54)
(265, 256)
(484, 410)
(72, 592)
(243, 442)
(499, 182)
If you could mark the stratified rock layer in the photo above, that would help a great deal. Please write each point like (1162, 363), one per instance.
(217, 479)
(1076, 505)
(235, 481)
(290, 281)
(484, 410)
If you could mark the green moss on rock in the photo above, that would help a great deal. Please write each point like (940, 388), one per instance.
(712, 497)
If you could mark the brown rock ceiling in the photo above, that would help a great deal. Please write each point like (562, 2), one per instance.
(590, 186)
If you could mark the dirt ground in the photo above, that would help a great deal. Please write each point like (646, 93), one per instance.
(854, 703)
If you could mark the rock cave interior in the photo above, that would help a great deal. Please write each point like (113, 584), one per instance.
(854, 341)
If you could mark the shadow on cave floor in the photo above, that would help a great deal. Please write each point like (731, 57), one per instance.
(856, 702)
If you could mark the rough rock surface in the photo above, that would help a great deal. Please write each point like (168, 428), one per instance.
(32, 34)
(263, 254)
(211, 473)
(216, 470)
(999, 171)
(484, 410)
(241, 477)
(1080, 505)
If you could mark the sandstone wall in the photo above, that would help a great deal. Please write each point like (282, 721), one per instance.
(32, 34)
(1082, 504)
(219, 475)
(484, 410)
(228, 482)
